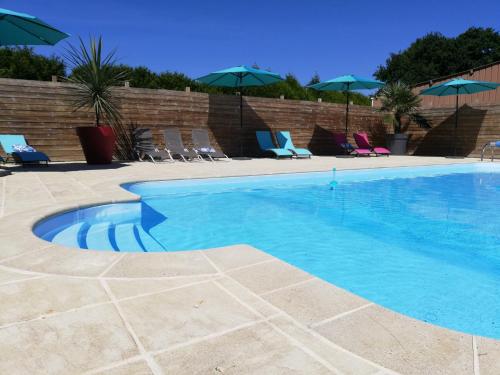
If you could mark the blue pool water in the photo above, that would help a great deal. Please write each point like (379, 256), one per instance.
(421, 241)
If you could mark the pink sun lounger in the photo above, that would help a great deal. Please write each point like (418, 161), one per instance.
(341, 141)
(363, 142)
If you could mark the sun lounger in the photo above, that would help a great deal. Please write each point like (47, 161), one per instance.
(203, 147)
(266, 144)
(342, 142)
(16, 147)
(362, 141)
(175, 147)
(144, 146)
(285, 141)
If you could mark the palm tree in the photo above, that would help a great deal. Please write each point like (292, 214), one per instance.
(399, 100)
(94, 76)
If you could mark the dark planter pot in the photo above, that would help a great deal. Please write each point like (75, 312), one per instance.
(397, 143)
(98, 143)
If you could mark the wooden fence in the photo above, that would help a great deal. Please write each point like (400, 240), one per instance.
(476, 126)
(42, 111)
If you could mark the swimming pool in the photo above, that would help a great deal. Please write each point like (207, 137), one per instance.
(421, 241)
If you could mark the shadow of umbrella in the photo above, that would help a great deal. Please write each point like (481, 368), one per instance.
(436, 142)
(322, 142)
(223, 118)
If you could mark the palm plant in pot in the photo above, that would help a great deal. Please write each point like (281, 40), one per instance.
(93, 77)
(399, 101)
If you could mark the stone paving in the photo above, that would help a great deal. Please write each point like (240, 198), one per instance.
(233, 310)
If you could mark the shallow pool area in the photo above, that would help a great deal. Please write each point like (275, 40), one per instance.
(422, 241)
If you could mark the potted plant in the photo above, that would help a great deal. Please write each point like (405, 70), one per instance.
(93, 77)
(399, 101)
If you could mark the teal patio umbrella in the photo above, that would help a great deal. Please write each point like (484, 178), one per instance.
(457, 87)
(22, 29)
(346, 84)
(239, 77)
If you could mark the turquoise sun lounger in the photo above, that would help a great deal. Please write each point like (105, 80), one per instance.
(285, 141)
(8, 141)
(266, 144)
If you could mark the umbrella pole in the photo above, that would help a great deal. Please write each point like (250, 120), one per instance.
(456, 126)
(241, 123)
(240, 87)
(347, 113)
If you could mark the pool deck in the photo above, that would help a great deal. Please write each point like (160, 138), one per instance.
(234, 310)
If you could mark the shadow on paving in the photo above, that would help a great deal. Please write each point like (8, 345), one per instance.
(63, 167)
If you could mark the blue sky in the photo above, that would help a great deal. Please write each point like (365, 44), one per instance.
(331, 37)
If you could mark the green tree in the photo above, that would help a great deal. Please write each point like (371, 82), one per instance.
(314, 79)
(476, 47)
(175, 81)
(291, 88)
(24, 63)
(435, 55)
(141, 77)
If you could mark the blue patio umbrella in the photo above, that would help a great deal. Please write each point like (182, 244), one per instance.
(24, 29)
(459, 86)
(347, 83)
(239, 77)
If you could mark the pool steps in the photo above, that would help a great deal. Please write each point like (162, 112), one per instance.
(125, 237)
(98, 236)
(69, 235)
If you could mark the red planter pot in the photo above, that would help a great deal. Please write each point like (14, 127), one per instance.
(98, 143)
